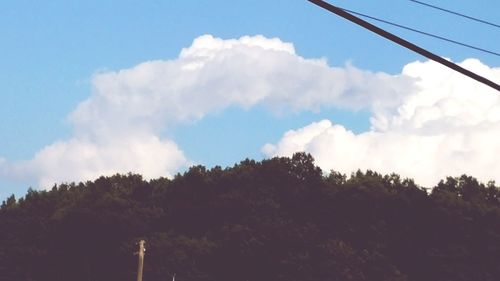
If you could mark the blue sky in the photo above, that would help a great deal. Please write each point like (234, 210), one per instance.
(50, 52)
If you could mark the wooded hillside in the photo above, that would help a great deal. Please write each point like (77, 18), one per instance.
(279, 219)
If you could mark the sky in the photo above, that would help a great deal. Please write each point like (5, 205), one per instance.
(92, 88)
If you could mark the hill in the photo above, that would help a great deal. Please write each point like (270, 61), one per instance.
(278, 219)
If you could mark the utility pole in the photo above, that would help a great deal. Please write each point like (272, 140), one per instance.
(141, 259)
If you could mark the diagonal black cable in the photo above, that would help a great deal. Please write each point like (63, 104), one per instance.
(456, 13)
(400, 41)
(422, 32)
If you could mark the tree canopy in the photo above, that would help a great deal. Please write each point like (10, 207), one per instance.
(277, 219)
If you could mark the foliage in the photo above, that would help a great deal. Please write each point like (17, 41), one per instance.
(278, 219)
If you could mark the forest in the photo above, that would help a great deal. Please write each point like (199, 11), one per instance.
(271, 220)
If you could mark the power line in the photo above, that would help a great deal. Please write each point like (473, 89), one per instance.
(422, 32)
(456, 13)
(404, 43)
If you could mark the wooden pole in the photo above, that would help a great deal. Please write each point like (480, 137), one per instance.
(141, 259)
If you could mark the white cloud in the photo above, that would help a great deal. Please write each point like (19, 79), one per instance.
(80, 159)
(213, 74)
(449, 126)
(119, 127)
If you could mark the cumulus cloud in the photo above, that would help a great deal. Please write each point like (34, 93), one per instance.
(213, 74)
(449, 126)
(82, 159)
(119, 127)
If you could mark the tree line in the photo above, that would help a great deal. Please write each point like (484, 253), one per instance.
(270, 220)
